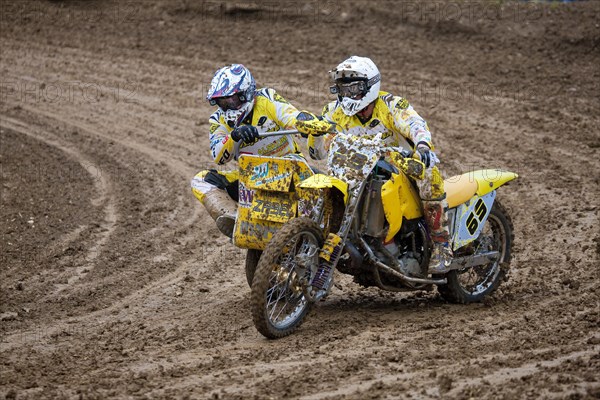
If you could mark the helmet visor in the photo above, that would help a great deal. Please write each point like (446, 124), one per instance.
(233, 102)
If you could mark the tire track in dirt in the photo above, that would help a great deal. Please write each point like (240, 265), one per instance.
(188, 236)
(128, 97)
(104, 197)
(506, 375)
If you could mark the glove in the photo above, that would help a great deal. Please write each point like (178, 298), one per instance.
(412, 167)
(247, 133)
(425, 154)
(309, 124)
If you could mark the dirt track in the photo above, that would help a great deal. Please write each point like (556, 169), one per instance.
(115, 283)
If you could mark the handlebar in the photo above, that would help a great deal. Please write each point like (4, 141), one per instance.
(278, 133)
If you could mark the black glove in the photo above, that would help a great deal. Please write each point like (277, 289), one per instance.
(247, 133)
(425, 154)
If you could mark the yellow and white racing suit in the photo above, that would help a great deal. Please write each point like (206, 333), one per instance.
(270, 113)
(399, 124)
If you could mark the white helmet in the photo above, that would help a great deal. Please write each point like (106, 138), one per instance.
(232, 89)
(356, 83)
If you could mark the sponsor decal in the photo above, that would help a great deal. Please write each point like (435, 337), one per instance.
(245, 196)
(280, 209)
(213, 128)
(260, 171)
(261, 232)
(274, 147)
(402, 104)
(273, 179)
(224, 158)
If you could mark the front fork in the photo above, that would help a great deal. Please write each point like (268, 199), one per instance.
(329, 255)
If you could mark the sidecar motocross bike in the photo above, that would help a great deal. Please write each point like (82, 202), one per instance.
(365, 219)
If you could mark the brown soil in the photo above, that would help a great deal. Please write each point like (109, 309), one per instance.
(115, 283)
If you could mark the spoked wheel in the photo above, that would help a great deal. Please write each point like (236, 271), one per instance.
(473, 284)
(277, 299)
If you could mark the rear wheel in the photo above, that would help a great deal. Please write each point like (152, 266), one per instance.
(277, 300)
(473, 284)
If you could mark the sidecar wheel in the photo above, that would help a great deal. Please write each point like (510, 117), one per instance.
(474, 284)
(277, 301)
(252, 257)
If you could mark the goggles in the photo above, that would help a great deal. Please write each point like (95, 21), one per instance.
(233, 102)
(352, 90)
(355, 89)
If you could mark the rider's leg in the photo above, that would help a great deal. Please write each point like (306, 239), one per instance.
(435, 209)
(217, 191)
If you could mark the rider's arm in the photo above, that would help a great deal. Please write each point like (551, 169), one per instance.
(410, 124)
(222, 147)
(284, 114)
(319, 145)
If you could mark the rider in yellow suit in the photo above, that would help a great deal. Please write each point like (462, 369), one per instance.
(362, 109)
(243, 112)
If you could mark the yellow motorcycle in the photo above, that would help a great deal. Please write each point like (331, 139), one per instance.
(365, 219)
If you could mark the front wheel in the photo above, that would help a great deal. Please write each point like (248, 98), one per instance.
(277, 299)
(473, 284)
(252, 257)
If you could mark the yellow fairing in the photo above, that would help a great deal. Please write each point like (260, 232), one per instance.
(267, 197)
(271, 173)
(463, 187)
(320, 181)
(400, 199)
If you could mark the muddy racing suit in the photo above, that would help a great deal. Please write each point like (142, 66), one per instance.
(217, 189)
(400, 125)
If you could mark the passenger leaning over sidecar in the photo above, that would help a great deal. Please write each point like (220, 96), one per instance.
(243, 112)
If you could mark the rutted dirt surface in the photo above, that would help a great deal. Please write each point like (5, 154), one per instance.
(115, 283)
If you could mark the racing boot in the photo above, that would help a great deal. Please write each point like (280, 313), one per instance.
(436, 217)
(222, 208)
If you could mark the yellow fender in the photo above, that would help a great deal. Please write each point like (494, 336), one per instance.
(463, 187)
(489, 180)
(400, 199)
(320, 181)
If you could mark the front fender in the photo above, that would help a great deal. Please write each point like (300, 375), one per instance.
(320, 181)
